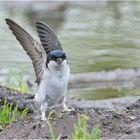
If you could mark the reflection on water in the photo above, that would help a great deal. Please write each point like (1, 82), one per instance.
(105, 93)
(102, 37)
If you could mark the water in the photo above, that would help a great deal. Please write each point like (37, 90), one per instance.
(102, 37)
(100, 41)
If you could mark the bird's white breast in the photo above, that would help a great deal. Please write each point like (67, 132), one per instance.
(53, 85)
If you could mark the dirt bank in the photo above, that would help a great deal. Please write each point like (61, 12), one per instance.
(113, 124)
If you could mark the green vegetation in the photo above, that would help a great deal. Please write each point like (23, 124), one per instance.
(24, 113)
(15, 81)
(9, 114)
(80, 130)
(49, 125)
(51, 131)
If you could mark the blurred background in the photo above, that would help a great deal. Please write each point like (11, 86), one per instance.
(97, 36)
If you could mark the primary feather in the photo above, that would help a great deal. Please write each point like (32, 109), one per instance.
(47, 37)
(33, 48)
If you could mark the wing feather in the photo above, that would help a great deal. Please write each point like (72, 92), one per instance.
(34, 50)
(47, 37)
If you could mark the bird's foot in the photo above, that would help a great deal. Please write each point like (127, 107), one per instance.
(67, 109)
(43, 116)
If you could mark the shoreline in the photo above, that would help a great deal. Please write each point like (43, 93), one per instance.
(117, 119)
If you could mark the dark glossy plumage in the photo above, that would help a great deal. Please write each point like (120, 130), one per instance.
(47, 37)
(57, 54)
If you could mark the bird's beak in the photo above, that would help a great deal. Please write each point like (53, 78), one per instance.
(59, 60)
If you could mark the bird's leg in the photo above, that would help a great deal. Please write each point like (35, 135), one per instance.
(36, 110)
(43, 109)
(65, 107)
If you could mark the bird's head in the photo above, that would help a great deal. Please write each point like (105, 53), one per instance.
(56, 59)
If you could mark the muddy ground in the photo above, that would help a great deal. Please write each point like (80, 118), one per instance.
(119, 124)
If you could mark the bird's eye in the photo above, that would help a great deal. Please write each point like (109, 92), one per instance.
(64, 56)
(49, 56)
(52, 57)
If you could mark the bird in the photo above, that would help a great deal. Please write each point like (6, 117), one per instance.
(49, 62)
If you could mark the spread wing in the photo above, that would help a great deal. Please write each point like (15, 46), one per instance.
(47, 37)
(34, 50)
